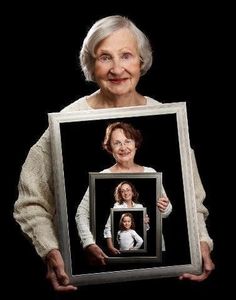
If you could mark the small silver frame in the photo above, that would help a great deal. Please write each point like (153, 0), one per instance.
(142, 182)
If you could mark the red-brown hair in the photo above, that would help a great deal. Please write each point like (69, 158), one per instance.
(129, 131)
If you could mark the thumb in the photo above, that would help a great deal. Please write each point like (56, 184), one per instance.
(61, 275)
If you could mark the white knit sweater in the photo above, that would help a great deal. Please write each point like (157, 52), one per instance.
(34, 209)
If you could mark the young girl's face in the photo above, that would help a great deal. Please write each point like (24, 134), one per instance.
(126, 192)
(126, 222)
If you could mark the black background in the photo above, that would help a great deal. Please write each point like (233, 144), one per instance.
(160, 150)
(43, 75)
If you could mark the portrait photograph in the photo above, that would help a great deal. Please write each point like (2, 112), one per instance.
(78, 158)
(136, 217)
(145, 222)
(177, 99)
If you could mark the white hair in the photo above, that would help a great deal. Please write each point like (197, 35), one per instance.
(101, 30)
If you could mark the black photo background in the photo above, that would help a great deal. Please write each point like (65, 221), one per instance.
(189, 48)
(82, 153)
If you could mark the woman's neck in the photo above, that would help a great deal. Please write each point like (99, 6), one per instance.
(129, 203)
(104, 100)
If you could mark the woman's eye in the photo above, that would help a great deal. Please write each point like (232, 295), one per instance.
(117, 144)
(104, 58)
(126, 55)
(128, 142)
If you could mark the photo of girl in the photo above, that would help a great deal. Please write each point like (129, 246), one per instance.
(128, 239)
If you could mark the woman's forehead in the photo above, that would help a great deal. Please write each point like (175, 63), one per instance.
(125, 185)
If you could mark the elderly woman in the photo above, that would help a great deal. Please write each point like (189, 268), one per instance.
(114, 54)
(121, 140)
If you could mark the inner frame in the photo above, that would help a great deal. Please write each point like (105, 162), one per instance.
(148, 185)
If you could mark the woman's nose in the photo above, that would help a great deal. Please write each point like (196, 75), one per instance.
(117, 66)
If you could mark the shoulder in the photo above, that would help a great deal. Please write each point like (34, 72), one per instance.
(149, 170)
(44, 140)
(151, 101)
(106, 171)
(80, 104)
(137, 205)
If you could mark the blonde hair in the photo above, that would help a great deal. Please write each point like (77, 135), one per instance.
(118, 194)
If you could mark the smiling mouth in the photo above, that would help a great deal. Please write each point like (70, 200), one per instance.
(124, 153)
(118, 80)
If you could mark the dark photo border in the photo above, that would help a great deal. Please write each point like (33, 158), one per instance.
(148, 185)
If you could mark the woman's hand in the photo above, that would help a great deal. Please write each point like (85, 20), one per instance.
(111, 248)
(207, 267)
(56, 272)
(162, 204)
(95, 255)
(146, 219)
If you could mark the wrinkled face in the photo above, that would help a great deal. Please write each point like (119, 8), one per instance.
(117, 64)
(126, 222)
(126, 192)
(123, 149)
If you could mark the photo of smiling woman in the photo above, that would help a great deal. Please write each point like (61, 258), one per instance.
(127, 196)
(122, 141)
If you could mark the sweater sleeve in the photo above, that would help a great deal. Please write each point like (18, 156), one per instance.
(168, 209)
(34, 209)
(82, 221)
(107, 230)
(202, 211)
(138, 240)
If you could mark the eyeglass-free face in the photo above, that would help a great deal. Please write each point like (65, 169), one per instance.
(117, 63)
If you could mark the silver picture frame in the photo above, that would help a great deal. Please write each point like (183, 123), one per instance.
(148, 185)
(76, 150)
